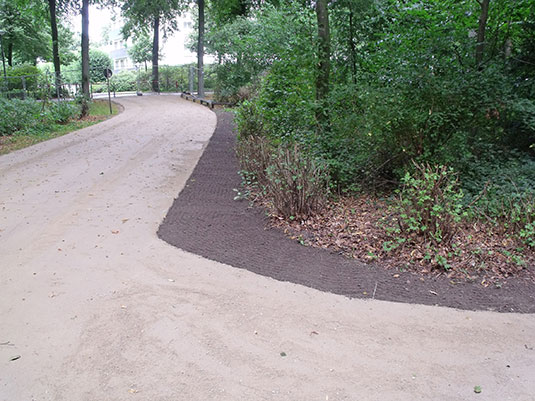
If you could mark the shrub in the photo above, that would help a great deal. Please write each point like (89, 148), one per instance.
(254, 155)
(125, 81)
(249, 120)
(229, 78)
(24, 116)
(98, 62)
(500, 189)
(295, 183)
(429, 204)
(284, 102)
(513, 212)
(62, 112)
(31, 74)
(18, 115)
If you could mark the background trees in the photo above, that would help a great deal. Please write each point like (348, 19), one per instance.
(141, 49)
(24, 39)
(409, 80)
(160, 15)
(411, 84)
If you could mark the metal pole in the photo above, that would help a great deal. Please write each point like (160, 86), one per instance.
(23, 87)
(2, 48)
(3, 59)
(191, 78)
(109, 95)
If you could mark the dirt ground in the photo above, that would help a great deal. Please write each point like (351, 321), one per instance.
(207, 221)
(96, 307)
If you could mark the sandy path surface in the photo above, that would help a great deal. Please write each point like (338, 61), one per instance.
(98, 308)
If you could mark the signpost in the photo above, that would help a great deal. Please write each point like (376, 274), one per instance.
(108, 73)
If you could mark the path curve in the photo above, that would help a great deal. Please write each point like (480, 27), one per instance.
(206, 220)
(98, 308)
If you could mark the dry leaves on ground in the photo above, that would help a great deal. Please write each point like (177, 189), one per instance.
(355, 227)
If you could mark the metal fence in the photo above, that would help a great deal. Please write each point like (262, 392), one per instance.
(43, 85)
(37, 86)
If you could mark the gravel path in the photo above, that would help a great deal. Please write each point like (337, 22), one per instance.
(96, 307)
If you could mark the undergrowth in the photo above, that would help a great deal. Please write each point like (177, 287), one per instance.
(26, 122)
(295, 183)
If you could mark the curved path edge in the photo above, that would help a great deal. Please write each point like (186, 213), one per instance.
(206, 220)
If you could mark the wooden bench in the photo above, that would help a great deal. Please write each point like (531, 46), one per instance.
(205, 102)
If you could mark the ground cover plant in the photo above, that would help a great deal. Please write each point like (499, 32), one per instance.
(429, 116)
(27, 122)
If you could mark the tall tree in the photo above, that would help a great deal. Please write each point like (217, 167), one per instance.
(225, 11)
(24, 39)
(55, 41)
(200, 50)
(324, 65)
(85, 57)
(83, 7)
(483, 16)
(155, 53)
(160, 15)
(141, 50)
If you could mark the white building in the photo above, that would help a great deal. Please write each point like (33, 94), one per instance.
(117, 49)
(174, 48)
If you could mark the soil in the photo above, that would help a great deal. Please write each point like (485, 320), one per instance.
(355, 227)
(206, 220)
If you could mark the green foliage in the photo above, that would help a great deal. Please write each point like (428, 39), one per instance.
(98, 62)
(248, 46)
(23, 116)
(527, 234)
(124, 81)
(405, 86)
(141, 13)
(284, 99)
(17, 115)
(429, 204)
(295, 182)
(501, 191)
(249, 120)
(62, 112)
(23, 21)
(171, 79)
(32, 76)
(141, 50)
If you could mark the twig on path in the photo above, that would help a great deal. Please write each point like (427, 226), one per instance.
(375, 289)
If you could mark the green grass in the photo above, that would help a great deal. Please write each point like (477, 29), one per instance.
(98, 111)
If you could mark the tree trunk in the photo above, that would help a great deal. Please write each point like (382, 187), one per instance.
(200, 51)
(85, 57)
(324, 53)
(352, 49)
(483, 16)
(10, 54)
(155, 53)
(55, 47)
(3, 63)
(508, 48)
